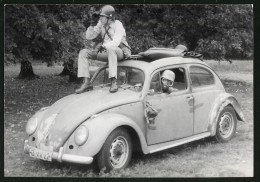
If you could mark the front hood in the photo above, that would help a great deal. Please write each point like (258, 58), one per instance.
(64, 116)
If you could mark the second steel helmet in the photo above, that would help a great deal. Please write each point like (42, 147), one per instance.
(169, 75)
(108, 11)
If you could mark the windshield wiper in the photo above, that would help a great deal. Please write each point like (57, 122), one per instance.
(127, 86)
(102, 85)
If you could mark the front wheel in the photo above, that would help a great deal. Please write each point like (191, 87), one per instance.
(116, 151)
(226, 125)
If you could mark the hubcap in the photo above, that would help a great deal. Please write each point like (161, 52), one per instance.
(119, 152)
(226, 125)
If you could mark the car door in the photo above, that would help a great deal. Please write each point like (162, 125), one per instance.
(174, 119)
(204, 92)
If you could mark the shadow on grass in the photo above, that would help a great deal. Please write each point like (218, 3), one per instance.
(79, 170)
(191, 147)
(70, 169)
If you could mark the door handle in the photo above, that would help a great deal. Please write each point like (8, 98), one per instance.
(190, 98)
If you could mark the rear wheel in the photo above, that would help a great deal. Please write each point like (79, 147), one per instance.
(116, 151)
(226, 126)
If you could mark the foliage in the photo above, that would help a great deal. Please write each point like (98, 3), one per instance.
(55, 32)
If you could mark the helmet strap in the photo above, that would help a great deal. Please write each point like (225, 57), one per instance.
(109, 21)
(106, 24)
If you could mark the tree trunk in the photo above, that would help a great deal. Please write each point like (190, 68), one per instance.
(27, 70)
(67, 68)
(71, 71)
(74, 78)
(64, 72)
(49, 63)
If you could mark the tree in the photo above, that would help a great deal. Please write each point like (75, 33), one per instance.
(29, 36)
(54, 33)
(67, 23)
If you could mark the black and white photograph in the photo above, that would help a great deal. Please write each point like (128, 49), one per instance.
(128, 90)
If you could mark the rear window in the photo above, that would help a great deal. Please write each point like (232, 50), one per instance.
(200, 77)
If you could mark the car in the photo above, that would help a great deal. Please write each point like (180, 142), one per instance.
(109, 127)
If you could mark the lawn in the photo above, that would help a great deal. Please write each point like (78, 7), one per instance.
(204, 158)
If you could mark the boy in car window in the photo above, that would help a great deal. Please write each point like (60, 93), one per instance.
(167, 79)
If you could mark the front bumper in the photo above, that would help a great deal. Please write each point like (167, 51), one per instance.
(61, 157)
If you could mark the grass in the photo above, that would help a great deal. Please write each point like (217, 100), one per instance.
(204, 158)
(236, 66)
(238, 70)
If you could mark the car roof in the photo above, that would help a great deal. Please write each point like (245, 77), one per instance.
(153, 65)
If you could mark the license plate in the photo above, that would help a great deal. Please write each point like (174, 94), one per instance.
(39, 154)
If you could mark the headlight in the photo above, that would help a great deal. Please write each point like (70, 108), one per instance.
(81, 135)
(31, 125)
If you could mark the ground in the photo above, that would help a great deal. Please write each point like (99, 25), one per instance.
(205, 158)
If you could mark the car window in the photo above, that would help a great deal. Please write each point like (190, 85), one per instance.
(180, 79)
(121, 75)
(200, 77)
(135, 76)
(101, 78)
(155, 83)
(125, 76)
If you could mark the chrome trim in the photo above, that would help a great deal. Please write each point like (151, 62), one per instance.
(44, 108)
(171, 144)
(25, 147)
(93, 116)
(61, 157)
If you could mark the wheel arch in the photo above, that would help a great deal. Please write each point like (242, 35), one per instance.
(220, 103)
(136, 144)
(103, 125)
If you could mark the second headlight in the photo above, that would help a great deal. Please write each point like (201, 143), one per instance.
(81, 135)
(31, 125)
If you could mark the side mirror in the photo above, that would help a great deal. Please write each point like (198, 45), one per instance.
(151, 92)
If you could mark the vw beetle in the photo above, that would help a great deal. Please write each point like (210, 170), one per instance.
(139, 117)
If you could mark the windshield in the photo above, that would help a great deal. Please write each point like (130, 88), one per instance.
(127, 78)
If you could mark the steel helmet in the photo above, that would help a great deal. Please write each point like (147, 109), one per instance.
(108, 11)
(169, 75)
(183, 47)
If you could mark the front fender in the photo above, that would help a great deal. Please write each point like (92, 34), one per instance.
(99, 129)
(220, 103)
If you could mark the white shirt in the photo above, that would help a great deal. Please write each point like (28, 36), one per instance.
(116, 31)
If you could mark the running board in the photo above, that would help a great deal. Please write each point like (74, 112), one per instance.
(171, 144)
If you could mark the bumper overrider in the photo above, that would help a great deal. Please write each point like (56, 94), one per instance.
(59, 156)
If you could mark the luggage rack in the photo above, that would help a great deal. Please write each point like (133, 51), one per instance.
(135, 57)
(192, 54)
(145, 56)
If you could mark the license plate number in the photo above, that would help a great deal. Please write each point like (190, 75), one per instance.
(39, 154)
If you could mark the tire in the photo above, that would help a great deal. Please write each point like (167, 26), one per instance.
(111, 155)
(226, 125)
